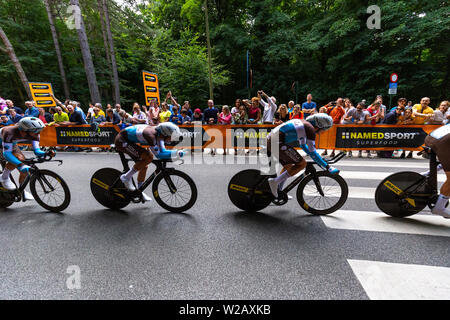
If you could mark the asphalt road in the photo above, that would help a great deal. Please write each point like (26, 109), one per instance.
(214, 251)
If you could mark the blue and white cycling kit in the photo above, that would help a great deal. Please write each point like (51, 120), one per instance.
(147, 135)
(301, 133)
(9, 138)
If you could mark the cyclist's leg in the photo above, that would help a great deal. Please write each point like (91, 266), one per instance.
(6, 180)
(442, 149)
(292, 163)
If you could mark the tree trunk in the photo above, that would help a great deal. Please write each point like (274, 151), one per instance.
(12, 55)
(102, 22)
(57, 49)
(87, 58)
(112, 54)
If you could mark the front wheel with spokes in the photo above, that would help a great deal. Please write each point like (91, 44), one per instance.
(50, 190)
(322, 193)
(175, 191)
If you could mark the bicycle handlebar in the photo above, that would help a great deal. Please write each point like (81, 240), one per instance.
(47, 158)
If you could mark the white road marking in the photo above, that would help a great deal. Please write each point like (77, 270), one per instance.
(395, 281)
(379, 222)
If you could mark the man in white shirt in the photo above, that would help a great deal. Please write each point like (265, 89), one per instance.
(270, 107)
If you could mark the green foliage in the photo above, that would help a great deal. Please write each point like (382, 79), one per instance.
(325, 45)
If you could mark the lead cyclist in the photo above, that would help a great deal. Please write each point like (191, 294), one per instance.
(439, 142)
(290, 134)
(26, 130)
(128, 141)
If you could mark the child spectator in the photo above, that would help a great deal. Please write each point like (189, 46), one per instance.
(241, 117)
(185, 119)
(375, 112)
(175, 117)
(153, 113)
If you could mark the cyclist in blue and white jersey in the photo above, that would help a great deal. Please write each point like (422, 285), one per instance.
(292, 134)
(129, 141)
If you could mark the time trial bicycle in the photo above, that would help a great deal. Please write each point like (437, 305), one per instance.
(48, 188)
(406, 193)
(172, 189)
(319, 192)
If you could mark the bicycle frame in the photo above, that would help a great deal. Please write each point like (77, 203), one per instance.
(431, 181)
(161, 166)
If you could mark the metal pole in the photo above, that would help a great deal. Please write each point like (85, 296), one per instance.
(211, 94)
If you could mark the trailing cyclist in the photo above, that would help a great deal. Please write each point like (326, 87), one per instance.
(154, 136)
(439, 142)
(295, 133)
(25, 131)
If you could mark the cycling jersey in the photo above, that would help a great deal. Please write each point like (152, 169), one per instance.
(128, 139)
(9, 138)
(439, 142)
(296, 132)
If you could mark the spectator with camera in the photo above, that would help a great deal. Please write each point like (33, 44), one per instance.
(296, 113)
(175, 117)
(185, 119)
(439, 114)
(269, 107)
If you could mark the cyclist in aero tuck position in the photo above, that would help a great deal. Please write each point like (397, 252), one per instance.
(439, 142)
(26, 130)
(293, 133)
(127, 142)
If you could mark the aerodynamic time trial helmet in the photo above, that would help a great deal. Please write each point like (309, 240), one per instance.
(31, 124)
(320, 120)
(169, 129)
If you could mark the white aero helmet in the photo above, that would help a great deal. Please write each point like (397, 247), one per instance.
(169, 129)
(320, 120)
(31, 124)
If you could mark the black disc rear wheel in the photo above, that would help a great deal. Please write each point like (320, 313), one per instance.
(242, 193)
(114, 198)
(390, 200)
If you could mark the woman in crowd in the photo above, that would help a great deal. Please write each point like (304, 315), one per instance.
(164, 114)
(375, 112)
(139, 117)
(225, 115)
(237, 106)
(153, 113)
(254, 112)
(282, 115)
(296, 113)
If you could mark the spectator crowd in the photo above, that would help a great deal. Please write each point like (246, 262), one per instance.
(261, 109)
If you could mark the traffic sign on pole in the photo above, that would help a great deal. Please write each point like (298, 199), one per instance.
(394, 78)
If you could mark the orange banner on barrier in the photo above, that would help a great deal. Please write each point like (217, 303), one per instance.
(340, 137)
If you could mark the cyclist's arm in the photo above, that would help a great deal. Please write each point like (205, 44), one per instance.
(8, 154)
(37, 150)
(161, 152)
(310, 148)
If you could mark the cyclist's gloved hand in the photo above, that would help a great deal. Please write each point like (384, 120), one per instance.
(332, 170)
(40, 153)
(50, 153)
(24, 168)
(181, 153)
